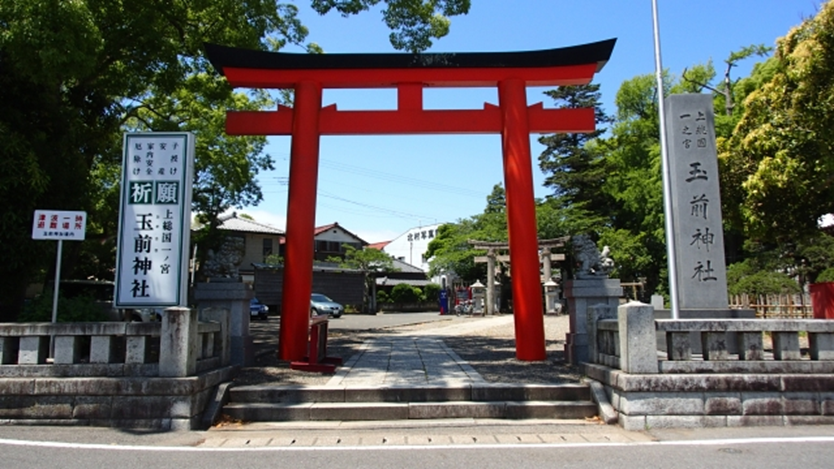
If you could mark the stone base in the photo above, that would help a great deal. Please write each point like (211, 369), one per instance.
(715, 400)
(146, 403)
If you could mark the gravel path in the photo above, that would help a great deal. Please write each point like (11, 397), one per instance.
(487, 344)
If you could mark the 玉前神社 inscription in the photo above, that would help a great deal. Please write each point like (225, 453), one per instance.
(154, 224)
(696, 202)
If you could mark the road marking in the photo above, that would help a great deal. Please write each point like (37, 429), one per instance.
(433, 447)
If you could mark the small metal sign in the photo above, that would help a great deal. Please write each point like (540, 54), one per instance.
(59, 225)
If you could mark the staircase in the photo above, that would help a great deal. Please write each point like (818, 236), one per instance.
(270, 403)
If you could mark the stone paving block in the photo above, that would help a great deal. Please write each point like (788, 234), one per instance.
(465, 440)
(755, 421)
(359, 411)
(647, 403)
(282, 441)
(565, 438)
(631, 423)
(429, 440)
(827, 403)
(762, 404)
(723, 404)
(246, 442)
(684, 421)
(801, 404)
(809, 420)
(807, 383)
(519, 438)
(443, 410)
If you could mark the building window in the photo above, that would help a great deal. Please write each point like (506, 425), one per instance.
(267, 244)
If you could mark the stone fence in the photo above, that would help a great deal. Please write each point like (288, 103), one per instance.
(709, 372)
(153, 375)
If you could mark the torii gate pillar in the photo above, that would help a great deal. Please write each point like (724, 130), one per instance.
(521, 222)
(301, 220)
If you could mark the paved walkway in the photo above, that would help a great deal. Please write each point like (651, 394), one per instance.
(413, 358)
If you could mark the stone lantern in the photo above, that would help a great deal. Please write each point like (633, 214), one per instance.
(551, 297)
(478, 293)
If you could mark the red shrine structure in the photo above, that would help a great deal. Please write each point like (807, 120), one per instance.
(307, 121)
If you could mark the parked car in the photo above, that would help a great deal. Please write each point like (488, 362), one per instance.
(321, 305)
(258, 309)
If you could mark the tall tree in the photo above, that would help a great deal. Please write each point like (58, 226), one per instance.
(414, 23)
(573, 170)
(71, 73)
(781, 152)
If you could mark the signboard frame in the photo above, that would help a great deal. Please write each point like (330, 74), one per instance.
(154, 220)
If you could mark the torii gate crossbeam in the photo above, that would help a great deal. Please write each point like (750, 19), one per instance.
(510, 72)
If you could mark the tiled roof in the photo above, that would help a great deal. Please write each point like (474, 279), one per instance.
(235, 223)
(321, 229)
(402, 266)
(379, 245)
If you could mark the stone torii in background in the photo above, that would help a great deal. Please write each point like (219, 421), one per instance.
(545, 249)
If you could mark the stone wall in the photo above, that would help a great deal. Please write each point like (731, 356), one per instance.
(133, 375)
(781, 374)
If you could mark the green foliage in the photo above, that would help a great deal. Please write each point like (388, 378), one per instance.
(76, 74)
(77, 309)
(414, 23)
(431, 292)
(404, 293)
(382, 297)
(274, 259)
(826, 275)
(782, 152)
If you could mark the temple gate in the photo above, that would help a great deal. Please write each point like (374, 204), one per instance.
(306, 121)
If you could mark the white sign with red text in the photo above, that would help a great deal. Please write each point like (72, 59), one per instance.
(59, 225)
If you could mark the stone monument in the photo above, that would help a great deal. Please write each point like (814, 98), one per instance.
(696, 212)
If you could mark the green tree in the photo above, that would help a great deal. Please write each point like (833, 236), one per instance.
(781, 152)
(371, 261)
(573, 170)
(414, 23)
(72, 73)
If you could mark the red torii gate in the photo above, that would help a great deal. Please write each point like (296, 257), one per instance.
(511, 72)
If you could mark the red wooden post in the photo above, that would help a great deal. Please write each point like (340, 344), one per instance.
(521, 221)
(301, 222)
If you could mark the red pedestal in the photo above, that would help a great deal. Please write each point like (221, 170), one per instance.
(822, 299)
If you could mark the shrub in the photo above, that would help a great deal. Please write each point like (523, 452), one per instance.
(404, 293)
(77, 309)
(431, 292)
(742, 279)
(382, 297)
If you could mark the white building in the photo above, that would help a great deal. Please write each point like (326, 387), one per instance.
(412, 245)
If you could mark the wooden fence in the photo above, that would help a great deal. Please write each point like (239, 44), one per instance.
(792, 306)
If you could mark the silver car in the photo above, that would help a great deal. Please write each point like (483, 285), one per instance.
(321, 305)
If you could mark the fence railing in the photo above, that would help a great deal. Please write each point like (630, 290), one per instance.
(178, 346)
(787, 306)
(635, 342)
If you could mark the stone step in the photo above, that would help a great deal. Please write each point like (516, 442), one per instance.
(354, 411)
(270, 394)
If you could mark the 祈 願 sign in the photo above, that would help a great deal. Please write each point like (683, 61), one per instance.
(154, 220)
(59, 225)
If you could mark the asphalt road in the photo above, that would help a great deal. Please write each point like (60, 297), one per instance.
(776, 452)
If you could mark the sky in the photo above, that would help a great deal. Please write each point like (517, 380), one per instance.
(380, 187)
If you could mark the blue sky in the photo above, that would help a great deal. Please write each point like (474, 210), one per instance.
(381, 186)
